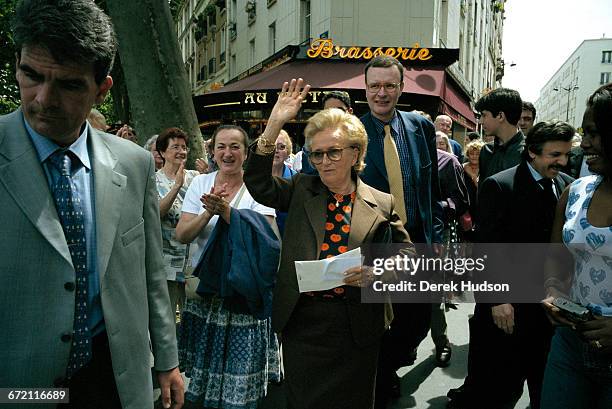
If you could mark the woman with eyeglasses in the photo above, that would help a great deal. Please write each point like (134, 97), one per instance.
(330, 339)
(172, 183)
(282, 151)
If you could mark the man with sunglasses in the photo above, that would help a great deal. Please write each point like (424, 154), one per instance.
(411, 139)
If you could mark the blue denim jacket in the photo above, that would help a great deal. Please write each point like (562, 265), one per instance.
(240, 261)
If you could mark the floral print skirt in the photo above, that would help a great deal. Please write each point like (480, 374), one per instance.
(229, 357)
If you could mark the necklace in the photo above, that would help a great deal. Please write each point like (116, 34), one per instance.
(335, 197)
(338, 198)
(351, 188)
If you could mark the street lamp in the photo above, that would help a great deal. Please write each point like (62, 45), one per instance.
(569, 91)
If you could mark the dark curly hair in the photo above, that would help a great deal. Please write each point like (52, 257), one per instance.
(547, 131)
(163, 140)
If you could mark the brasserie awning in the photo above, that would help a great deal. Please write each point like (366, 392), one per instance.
(335, 75)
(426, 87)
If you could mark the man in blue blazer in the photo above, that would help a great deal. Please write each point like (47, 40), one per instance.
(415, 141)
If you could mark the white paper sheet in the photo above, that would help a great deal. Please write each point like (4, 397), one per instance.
(320, 275)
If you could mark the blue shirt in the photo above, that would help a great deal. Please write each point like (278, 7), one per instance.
(83, 179)
(410, 192)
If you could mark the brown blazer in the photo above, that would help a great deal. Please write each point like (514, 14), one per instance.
(304, 197)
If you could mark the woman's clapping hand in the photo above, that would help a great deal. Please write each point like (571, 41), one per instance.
(215, 202)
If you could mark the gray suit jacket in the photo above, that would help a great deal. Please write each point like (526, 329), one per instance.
(35, 264)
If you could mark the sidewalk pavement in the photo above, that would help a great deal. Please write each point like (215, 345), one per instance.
(424, 385)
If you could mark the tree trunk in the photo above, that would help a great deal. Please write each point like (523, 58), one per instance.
(157, 85)
(121, 101)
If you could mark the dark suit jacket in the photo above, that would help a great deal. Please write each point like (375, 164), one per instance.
(305, 198)
(513, 209)
(421, 137)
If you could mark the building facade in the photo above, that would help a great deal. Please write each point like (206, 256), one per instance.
(564, 95)
(222, 39)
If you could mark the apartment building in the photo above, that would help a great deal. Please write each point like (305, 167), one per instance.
(222, 39)
(564, 95)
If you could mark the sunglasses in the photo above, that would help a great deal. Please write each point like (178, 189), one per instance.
(334, 155)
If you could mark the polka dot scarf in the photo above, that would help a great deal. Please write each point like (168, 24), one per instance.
(337, 229)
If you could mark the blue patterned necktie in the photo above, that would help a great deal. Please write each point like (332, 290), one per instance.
(70, 211)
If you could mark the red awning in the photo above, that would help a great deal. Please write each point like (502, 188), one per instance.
(335, 75)
(343, 75)
(457, 107)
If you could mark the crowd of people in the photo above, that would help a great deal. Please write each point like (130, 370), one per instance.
(116, 254)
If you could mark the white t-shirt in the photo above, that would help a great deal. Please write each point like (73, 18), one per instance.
(203, 184)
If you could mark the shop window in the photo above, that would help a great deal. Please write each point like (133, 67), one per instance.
(272, 38)
(305, 19)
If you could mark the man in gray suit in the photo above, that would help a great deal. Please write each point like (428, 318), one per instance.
(81, 272)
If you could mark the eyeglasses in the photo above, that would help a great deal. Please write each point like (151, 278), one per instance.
(334, 154)
(281, 146)
(389, 87)
(178, 148)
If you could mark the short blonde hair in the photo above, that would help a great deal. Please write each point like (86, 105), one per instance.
(473, 146)
(287, 139)
(349, 125)
(440, 134)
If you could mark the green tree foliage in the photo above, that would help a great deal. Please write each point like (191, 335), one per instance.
(9, 92)
(107, 109)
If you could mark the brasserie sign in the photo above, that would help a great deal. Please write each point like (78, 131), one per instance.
(325, 48)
